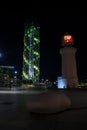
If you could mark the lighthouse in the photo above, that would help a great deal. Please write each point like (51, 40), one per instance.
(68, 55)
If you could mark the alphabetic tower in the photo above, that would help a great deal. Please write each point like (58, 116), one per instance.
(69, 69)
(31, 53)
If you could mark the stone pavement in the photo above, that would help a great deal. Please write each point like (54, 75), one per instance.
(15, 115)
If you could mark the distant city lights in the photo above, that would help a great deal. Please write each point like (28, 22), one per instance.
(0, 55)
(10, 67)
(15, 72)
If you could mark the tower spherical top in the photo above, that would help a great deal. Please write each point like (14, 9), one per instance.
(67, 40)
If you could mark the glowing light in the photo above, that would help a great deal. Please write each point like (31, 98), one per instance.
(15, 72)
(36, 53)
(68, 39)
(62, 83)
(25, 75)
(0, 55)
(10, 67)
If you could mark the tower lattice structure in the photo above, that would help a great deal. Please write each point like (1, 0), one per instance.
(31, 53)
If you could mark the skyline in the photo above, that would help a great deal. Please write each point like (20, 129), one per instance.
(53, 25)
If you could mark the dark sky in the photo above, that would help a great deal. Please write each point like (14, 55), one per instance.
(54, 23)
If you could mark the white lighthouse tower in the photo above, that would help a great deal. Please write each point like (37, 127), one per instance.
(69, 68)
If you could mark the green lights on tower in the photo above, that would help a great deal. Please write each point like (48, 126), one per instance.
(31, 53)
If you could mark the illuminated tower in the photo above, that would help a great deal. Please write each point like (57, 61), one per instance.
(31, 53)
(69, 69)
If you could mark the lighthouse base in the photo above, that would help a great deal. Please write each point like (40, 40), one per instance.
(72, 82)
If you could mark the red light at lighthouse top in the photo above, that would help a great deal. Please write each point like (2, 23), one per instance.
(68, 40)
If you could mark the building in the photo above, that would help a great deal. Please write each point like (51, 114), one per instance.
(6, 75)
(31, 53)
(69, 68)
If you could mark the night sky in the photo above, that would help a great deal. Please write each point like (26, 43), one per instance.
(54, 23)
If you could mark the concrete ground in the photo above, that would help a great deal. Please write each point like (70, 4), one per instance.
(15, 115)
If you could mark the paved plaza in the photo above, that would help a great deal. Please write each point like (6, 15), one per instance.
(14, 113)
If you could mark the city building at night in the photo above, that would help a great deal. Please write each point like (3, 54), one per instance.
(31, 53)
(7, 70)
(6, 75)
(69, 68)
